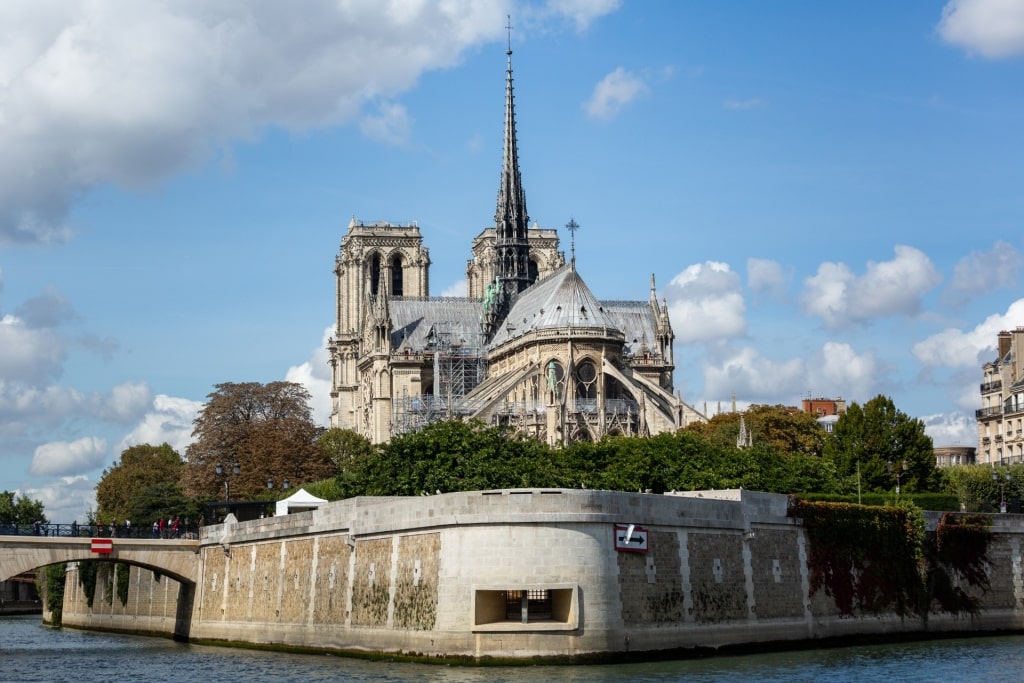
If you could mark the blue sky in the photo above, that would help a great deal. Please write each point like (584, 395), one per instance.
(829, 194)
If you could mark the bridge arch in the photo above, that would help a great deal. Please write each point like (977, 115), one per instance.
(176, 559)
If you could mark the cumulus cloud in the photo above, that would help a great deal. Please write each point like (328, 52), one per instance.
(753, 377)
(66, 498)
(766, 276)
(169, 420)
(49, 309)
(613, 93)
(129, 93)
(984, 271)
(951, 429)
(705, 303)
(888, 288)
(954, 348)
(991, 28)
(28, 354)
(315, 375)
(62, 458)
(391, 124)
(838, 370)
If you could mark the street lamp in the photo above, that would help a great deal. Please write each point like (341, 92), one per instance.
(897, 472)
(284, 484)
(235, 469)
(1002, 489)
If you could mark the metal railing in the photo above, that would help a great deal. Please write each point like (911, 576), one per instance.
(988, 412)
(73, 530)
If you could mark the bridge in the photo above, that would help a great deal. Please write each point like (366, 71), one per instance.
(175, 558)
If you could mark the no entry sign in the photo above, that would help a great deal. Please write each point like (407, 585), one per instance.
(102, 546)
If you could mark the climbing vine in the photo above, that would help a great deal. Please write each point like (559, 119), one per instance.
(52, 579)
(123, 578)
(959, 556)
(879, 559)
(87, 579)
(867, 559)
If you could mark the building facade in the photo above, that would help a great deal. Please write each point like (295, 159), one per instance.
(1001, 416)
(530, 347)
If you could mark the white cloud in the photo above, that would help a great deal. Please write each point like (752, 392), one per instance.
(169, 421)
(456, 289)
(705, 303)
(391, 124)
(754, 378)
(62, 458)
(991, 28)
(888, 288)
(315, 375)
(27, 354)
(614, 92)
(984, 271)
(765, 275)
(65, 499)
(951, 429)
(106, 92)
(580, 12)
(837, 370)
(954, 348)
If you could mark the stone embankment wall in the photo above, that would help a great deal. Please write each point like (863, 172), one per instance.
(150, 607)
(439, 576)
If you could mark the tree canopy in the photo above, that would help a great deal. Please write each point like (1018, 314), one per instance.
(144, 485)
(787, 430)
(19, 509)
(266, 429)
(880, 445)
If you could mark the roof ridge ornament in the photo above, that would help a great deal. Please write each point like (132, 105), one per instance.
(572, 226)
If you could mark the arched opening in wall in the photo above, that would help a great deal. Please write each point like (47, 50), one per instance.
(554, 377)
(397, 275)
(534, 271)
(375, 274)
(586, 386)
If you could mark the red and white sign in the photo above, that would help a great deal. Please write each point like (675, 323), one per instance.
(102, 546)
(630, 538)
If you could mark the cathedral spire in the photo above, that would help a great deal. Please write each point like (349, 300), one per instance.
(510, 218)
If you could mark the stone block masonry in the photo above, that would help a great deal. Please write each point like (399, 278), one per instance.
(521, 574)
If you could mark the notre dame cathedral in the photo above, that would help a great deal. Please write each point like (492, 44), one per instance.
(530, 347)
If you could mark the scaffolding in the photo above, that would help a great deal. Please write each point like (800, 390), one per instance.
(459, 364)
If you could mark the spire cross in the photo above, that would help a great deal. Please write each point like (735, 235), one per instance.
(572, 226)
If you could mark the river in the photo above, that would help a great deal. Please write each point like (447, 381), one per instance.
(30, 651)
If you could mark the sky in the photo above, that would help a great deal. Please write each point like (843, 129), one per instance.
(828, 194)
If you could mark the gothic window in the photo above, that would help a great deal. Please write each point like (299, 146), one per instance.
(396, 275)
(374, 274)
(586, 386)
(534, 271)
(554, 375)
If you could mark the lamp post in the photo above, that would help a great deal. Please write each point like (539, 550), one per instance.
(235, 469)
(284, 484)
(1002, 488)
(897, 472)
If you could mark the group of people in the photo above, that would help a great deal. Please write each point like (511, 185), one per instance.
(167, 529)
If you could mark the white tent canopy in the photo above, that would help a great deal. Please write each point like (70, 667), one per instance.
(300, 501)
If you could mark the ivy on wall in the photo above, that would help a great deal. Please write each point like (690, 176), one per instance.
(123, 579)
(87, 579)
(879, 559)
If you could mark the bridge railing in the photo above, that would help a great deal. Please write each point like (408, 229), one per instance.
(75, 530)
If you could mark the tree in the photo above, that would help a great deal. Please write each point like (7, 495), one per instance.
(788, 430)
(882, 446)
(125, 489)
(15, 509)
(267, 429)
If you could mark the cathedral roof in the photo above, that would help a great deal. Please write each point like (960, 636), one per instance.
(561, 300)
(413, 317)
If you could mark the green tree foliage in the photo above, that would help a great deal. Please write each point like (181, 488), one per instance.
(267, 429)
(977, 490)
(15, 509)
(787, 430)
(143, 486)
(349, 452)
(453, 456)
(876, 440)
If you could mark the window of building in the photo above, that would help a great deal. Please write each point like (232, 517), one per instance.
(397, 275)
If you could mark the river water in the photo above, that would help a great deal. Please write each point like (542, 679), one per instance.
(30, 651)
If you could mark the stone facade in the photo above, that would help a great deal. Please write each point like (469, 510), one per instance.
(521, 574)
(1001, 416)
